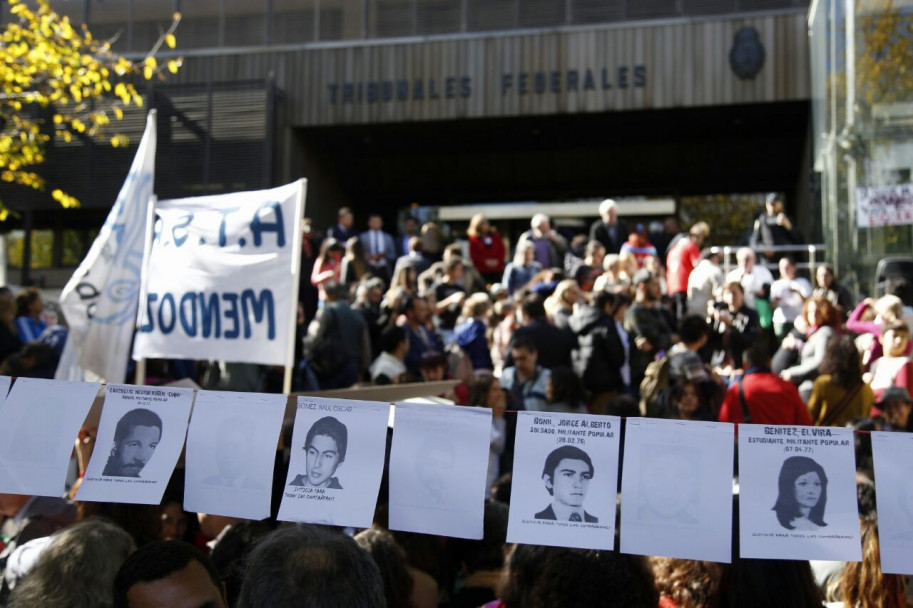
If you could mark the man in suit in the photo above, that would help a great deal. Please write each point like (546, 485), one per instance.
(343, 230)
(379, 247)
(567, 473)
(607, 229)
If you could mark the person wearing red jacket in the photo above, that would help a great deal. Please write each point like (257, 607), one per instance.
(486, 248)
(770, 399)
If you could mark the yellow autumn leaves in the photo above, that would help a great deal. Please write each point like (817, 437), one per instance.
(45, 62)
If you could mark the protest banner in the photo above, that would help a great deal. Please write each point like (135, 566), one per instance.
(797, 493)
(100, 299)
(893, 453)
(139, 441)
(34, 454)
(884, 206)
(565, 479)
(337, 459)
(220, 279)
(231, 453)
(438, 466)
(676, 489)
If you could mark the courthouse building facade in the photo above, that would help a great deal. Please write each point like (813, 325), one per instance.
(386, 103)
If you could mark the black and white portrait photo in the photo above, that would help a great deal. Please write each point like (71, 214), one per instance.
(669, 485)
(136, 436)
(325, 445)
(232, 459)
(567, 474)
(802, 494)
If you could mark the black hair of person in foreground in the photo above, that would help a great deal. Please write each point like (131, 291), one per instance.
(136, 436)
(168, 573)
(567, 473)
(305, 565)
(802, 494)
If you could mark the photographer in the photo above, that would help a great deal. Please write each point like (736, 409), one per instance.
(735, 327)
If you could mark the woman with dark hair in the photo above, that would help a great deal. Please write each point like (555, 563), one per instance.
(563, 392)
(839, 394)
(485, 391)
(822, 322)
(327, 267)
(391, 561)
(687, 401)
(803, 494)
(354, 262)
(29, 307)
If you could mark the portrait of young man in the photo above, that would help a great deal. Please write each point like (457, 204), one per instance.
(136, 436)
(567, 473)
(325, 445)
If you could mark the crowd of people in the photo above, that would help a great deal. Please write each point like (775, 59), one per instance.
(640, 321)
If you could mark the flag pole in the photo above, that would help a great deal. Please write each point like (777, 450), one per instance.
(296, 277)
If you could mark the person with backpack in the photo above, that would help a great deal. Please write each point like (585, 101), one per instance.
(602, 359)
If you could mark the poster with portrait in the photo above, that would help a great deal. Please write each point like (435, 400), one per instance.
(676, 489)
(565, 480)
(39, 422)
(438, 469)
(140, 438)
(893, 453)
(231, 452)
(337, 461)
(797, 493)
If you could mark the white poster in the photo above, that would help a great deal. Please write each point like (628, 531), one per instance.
(221, 278)
(100, 299)
(565, 480)
(893, 453)
(676, 489)
(231, 452)
(438, 468)
(5, 382)
(884, 206)
(337, 461)
(797, 493)
(39, 422)
(140, 438)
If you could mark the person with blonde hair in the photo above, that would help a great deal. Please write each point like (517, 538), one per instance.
(560, 305)
(486, 248)
(868, 319)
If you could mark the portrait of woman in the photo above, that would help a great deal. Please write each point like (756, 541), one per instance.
(803, 494)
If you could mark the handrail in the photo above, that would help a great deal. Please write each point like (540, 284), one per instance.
(812, 249)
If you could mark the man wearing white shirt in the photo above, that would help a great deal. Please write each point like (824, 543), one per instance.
(379, 248)
(754, 278)
(787, 295)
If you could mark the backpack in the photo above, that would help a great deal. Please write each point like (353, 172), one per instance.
(653, 386)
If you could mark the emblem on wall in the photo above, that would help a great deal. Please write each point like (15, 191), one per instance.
(747, 54)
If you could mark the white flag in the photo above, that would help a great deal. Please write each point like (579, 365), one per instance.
(101, 297)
